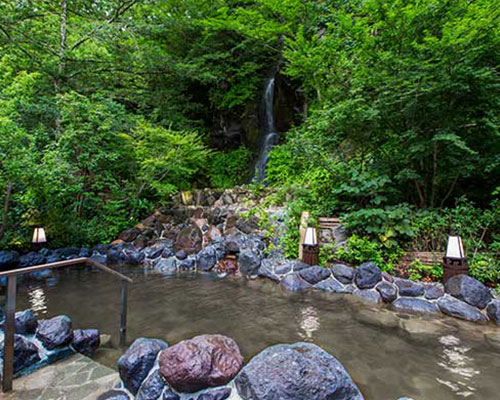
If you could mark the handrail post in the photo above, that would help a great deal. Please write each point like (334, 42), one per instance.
(9, 330)
(123, 313)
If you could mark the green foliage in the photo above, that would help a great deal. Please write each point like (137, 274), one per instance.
(228, 169)
(418, 271)
(485, 267)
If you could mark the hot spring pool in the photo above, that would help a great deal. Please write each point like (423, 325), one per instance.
(450, 360)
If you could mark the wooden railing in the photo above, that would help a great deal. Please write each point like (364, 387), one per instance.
(9, 325)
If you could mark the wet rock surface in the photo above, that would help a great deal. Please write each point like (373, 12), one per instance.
(201, 362)
(493, 311)
(55, 332)
(86, 341)
(468, 289)
(314, 274)
(135, 364)
(294, 282)
(415, 305)
(343, 273)
(459, 309)
(388, 291)
(295, 372)
(367, 275)
(409, 288)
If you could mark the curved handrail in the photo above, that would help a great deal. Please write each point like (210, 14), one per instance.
(9, 326)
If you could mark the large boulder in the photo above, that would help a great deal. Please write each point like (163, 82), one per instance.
(30, 259)
(152, 387)
(201, 362)
(189, 239)
(343, 273)
(8, 260)
(25, 353)
(86, 341)
(296, 372)
(409, 288)
(434, 291)
(493, 311)
(388, 291)
(26, 322)
(414, 305)
(315, 274)
(135, 364)
(367, 275)
(295, 282)
(249, 262)
(458, 309)
(55, 332)
(468, 289)
(368, 295)
(167, 266)
(124, 254)
(207, 258)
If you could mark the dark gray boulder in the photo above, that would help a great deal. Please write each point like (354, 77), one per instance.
(468, 289)
(294, 282)
(86, 341)
(249, 262)
(295, 372)
(493, 311)
(433, 291)
(155, 250)
(25, 353)
(216, 394)
(124, 254)
(26, 322)
(181, 254)
(409, 288)
(135, 364)
(266, 270)
(129, 235)
(458, 309)
(55, 332)
(367, 275)
(388, 291)
(412, 304)
(189, 264)
(8, 260)
(114, 395)
(84, 252)
(152, 387)
(343, 273)
(207, 259)
(65, 252)
(368, 295)
(330, 285)
(30, 259)
(99, 258)
(315, 274)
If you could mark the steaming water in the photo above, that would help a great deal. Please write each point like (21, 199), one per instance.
(383, 359)
(270, 137)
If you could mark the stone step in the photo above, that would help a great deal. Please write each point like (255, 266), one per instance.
(74, 378)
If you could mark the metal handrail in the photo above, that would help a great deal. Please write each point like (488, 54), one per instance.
(9, 326)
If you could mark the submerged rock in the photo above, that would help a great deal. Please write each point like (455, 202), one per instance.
(86, 341)
(343, 273)
(456, 308)
(294, 282)
(55, 332)
(468, 289)
(295, 372)
(135, 364)
(412, 304)
(367, 275)
(314, 274)
(201, 362)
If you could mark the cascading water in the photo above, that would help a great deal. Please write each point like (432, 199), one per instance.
(269, 136)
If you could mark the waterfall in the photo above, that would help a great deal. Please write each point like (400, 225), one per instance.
(269, 135)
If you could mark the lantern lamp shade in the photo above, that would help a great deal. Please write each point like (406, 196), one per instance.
(311, 238)
(455, 248)
(39, 235)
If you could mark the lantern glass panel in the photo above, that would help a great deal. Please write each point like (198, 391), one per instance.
(455, 249)
(39, 235)
(311, 239)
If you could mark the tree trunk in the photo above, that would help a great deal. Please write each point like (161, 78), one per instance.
(62, 55)
(5, 216)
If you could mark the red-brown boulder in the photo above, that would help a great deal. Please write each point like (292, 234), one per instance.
(202, 362)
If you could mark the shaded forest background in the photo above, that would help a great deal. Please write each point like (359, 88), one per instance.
(388, 112)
